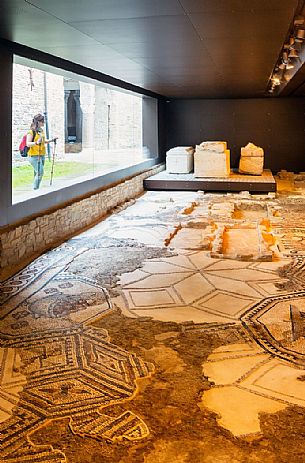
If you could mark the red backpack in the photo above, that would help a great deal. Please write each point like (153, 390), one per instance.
(23, 149)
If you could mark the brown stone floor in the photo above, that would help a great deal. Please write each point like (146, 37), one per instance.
(117, 348)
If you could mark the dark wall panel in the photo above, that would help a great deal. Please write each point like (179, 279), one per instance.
(162, 129)
(6, 73)
(277, 125)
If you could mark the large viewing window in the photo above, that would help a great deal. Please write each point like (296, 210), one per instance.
(99, 128)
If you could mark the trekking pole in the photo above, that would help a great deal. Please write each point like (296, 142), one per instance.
(53, 162)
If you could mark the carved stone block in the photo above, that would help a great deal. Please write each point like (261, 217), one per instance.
(212, 159)
(180, 160)
(251, 160)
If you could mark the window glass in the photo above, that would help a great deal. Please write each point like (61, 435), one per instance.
(98, 128)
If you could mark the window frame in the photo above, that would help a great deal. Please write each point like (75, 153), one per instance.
(12, 213)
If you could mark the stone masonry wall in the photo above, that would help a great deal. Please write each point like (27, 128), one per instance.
(28, 100)
(111, 119)
(23, 242)
(125, 121)
(101, 129)
(56, 109)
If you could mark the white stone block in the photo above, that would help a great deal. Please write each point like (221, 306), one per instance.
(180, 160)
(209, 163)
(218, 146)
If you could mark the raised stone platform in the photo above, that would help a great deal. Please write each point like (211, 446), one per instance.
(236, 182)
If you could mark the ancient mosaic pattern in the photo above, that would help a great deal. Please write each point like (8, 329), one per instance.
(195, 287)
(153, 261)
(278, 325)
(207, 295)
(54, 366)
(248, 381)
(25, 277)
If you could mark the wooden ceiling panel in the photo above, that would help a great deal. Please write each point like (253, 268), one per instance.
(140, 78)
(150, 29)
(81, 53)
(242, 25)
(42, 35)
(195, 91)
(159, 49)
(178, 48)
(179, 63)
(192, 79)
(225, 6)
(260, 47)
(22, 23)
(91, 10)
(301, 90)
(17, 15)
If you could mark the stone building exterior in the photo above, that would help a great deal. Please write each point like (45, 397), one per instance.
(35, 91)
(106, 118)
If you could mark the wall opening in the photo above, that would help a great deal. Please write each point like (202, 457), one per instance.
(99, 129)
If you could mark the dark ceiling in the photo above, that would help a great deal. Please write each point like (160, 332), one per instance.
(177, 48)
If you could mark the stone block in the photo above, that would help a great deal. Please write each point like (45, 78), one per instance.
(180, 160)
(218, 146)
(251, 160)
(212, 162)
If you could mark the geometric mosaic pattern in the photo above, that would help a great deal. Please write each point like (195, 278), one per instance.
(56, 364)
(294, 274)
(198, 288)
(74, 375)
(248, 381)
(11, 381)
(53, 364)
(278, 325)
(199, 291)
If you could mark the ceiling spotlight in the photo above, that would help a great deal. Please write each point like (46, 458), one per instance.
(300, 35)
(290, 51)
(293, 53)
(299, 20)
(286, 64)
(276, 81)
(296, 45)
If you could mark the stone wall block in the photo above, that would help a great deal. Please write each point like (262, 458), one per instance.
(39, 234)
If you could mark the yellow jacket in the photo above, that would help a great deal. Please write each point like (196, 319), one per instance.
(37, 150)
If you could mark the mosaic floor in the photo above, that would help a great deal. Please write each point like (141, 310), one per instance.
(173, 331)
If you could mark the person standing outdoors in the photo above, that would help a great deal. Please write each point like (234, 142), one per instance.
(36, 142)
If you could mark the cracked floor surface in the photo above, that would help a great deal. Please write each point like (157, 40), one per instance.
(173, 331)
